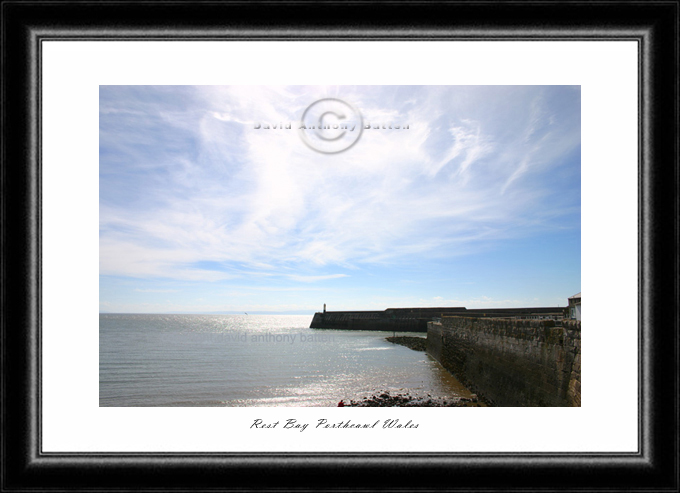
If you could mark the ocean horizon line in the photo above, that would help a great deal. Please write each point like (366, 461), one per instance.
(311, 312)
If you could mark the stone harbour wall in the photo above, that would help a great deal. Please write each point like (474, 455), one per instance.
(368, 321)
(511, 362)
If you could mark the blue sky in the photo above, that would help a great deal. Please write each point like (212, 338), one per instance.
(477, 204)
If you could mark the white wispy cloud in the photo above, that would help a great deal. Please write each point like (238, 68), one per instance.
(316, 278)
(191, 191)
(157, 290)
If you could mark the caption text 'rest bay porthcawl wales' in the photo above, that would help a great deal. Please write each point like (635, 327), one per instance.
(339, 246)
(324, 424)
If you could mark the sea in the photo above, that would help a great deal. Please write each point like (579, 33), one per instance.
(255, 360)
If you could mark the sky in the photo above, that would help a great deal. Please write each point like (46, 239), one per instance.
(477, 203)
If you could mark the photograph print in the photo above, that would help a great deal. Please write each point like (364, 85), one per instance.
(331, 246)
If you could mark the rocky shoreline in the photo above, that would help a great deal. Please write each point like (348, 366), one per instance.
(405, 399)
(410, 397)
(415, 343)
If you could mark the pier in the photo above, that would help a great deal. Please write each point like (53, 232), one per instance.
(416, 319)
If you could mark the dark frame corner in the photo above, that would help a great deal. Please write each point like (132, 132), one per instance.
(26, 23)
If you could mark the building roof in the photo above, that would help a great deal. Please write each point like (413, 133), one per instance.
(577, 295)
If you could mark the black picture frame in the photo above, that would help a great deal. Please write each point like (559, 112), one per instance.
(654, 25)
